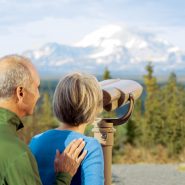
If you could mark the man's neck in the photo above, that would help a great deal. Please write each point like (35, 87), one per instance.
(9, 105)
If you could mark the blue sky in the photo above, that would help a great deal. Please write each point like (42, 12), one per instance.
(30, 24)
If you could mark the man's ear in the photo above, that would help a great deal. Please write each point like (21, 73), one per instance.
(19, 93)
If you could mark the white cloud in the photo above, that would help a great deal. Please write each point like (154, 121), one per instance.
(26, 24)
(33, 35)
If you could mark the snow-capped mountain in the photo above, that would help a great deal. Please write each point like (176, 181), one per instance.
(122, 50)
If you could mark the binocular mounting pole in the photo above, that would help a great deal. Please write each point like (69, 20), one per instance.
(104, 133)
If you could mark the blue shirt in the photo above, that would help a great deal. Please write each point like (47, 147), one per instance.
(43, 146)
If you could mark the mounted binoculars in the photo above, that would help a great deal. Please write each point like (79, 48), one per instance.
(117, 93)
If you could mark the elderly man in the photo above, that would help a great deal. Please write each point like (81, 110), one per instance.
(19, 82)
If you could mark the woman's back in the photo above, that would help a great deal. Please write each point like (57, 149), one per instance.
(43, 146)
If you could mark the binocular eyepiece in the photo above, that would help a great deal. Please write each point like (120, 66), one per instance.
(117, 93)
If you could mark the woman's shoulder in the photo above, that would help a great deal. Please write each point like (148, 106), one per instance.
(41, 135)
(91, 140)
(94, 152)
(92, 145)
(46, 137)
(65, 135)
(52, 133)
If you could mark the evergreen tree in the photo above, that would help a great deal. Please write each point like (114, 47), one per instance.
(173, 115)
(152, 125)
(106, 74)
(46, 117)
(134, 124)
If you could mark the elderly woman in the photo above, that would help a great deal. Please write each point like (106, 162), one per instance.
(77, 102)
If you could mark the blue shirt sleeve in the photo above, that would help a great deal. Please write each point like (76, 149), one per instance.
(92, 168)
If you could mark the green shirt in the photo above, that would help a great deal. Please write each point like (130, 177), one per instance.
(17, 164)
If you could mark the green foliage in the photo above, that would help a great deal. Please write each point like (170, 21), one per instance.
(173, 116)
(162, 123)
(157, 120)
(153, 118)
(119, 141)
(88, 130)
(46, 118)
(106, 74)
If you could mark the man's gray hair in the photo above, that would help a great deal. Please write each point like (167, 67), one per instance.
(14, 72)
(77, 99)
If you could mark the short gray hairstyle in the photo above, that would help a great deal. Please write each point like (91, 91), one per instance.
(77, 99)
(13, 73)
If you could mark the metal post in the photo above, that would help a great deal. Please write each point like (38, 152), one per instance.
(104, 133)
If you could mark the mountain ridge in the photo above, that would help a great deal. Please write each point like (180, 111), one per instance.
(122, 50)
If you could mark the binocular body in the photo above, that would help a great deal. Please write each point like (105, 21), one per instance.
(116, 92)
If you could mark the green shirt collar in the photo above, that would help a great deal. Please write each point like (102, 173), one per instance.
(8, 117)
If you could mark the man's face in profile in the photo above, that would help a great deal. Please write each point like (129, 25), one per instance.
(31, 94)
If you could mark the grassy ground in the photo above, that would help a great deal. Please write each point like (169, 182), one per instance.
(158, 155)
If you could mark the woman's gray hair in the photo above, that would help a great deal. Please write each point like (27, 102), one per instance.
(77, 99)
(13, 73)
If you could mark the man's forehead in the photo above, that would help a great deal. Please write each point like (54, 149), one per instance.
(35, 76)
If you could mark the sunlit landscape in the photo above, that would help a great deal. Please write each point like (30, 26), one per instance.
(136, 40)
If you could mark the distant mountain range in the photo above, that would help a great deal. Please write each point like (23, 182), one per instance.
(124, 51)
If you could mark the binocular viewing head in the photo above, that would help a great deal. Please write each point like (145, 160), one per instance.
(117, 93)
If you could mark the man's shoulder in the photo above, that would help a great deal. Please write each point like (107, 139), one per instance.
(13, 150)
(13, 146)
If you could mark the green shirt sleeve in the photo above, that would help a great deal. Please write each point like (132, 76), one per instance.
(23, 170)
(63, 179)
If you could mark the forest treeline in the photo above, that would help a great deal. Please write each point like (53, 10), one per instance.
(154, 133)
